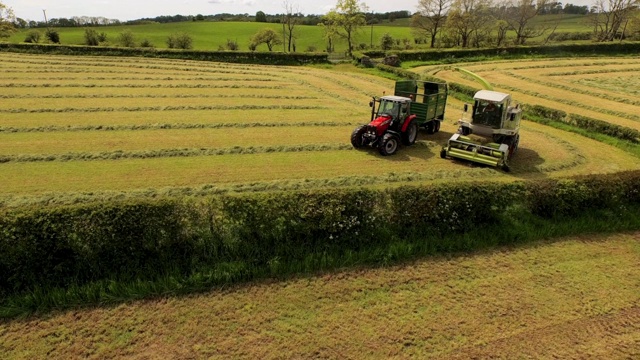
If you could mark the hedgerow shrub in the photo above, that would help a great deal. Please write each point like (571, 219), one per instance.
(33, 37)
(59, 246)
(270, 58)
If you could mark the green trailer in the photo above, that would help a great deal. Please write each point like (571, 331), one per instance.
(428, 101)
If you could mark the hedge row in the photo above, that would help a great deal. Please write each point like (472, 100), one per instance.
(454, 55)
(74, 245)
(584, 122)
(268, 58)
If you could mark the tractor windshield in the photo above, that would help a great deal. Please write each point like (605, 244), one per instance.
(487, 113)
(388, 107)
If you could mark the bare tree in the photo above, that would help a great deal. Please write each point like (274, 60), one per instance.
(467, 18)
(519, 14)
(430, 18)
(290, 19)
(610, 16)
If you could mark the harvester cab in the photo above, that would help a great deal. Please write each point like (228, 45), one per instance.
(495, 125)
(395, 119)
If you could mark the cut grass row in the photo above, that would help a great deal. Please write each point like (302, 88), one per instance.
(335, 101)
(548, 159)
(532, 92)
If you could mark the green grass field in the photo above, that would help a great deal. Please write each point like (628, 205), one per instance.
(212, 35)
(576, 298)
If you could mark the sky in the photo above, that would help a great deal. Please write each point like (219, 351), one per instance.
(136, 9)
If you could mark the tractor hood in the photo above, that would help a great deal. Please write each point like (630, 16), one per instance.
(380, 121)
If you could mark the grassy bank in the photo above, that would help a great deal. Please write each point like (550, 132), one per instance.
(513, 227)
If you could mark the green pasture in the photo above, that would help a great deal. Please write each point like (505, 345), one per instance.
(212, 35)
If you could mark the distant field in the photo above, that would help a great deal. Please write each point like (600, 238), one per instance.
(95, 125)
(573, 299)
(211, 35)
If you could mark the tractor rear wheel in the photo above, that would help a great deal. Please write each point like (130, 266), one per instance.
(389, 145)
(411, 134)
(357, 136)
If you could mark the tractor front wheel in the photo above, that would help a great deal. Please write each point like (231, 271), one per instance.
(389, 145)
(411, 134)
(357, 136)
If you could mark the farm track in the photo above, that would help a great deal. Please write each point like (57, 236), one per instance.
(111, 125)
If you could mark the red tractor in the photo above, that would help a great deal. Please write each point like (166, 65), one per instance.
(398, 117)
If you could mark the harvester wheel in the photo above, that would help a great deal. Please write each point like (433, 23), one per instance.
(389, 145)
(443, 153)
(357, 138)
(411, 134)
(505, 167)
(463, 130)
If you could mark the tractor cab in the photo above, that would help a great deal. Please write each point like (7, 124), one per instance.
(394, 107)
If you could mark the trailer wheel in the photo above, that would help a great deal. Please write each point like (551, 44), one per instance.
(431, 127)
(437, 123)
(411, 134)
(357, 139)
(389, 145)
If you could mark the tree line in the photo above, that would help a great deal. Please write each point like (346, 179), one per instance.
(467, 23)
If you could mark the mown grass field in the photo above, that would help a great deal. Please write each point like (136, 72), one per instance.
(576, 298)
(100, 126)
(601, 88)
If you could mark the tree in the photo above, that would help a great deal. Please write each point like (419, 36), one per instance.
(266, 36)
(519, 15)
(126, 39)
(180, 41)
(93, 38)
(430, 18)
(330, 32)
(611, 18)
(347, 17)
(386, 42)
(53, 36)
(6, 21)
(290, 19)
(467, 19)
(261, 17)
(33, 37)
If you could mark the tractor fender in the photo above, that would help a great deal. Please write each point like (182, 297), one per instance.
(407, 121)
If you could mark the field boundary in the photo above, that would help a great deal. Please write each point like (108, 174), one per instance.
(264, 58)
